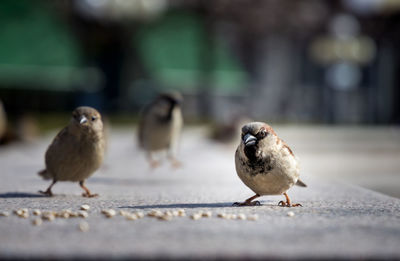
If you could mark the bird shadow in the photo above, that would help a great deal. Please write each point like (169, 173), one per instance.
(192, 205)
(21, 195)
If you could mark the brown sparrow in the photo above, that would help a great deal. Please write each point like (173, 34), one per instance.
(77, 151)
(266, 164)
(160, 127)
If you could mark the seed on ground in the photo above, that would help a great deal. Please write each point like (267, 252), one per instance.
(36, 212)
(139, 214)
(165, 217)
(37, 222)
(221, 215)
(155, 213)
(196, 216)
(206, 214)
(123, 213)
(241, 216)
(4, 214)
(85, 207)
(82, 214)
(252, 217)
(290, 214)
(131, 216)
(109, 212)
(84, 226)
(48, 215)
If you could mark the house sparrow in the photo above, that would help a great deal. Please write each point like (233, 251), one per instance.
(77, 151)
(160, 127)
(266, 164)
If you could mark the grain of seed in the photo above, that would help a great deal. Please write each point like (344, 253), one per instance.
(139, 214)
(252, 217)
(290, 214)
(49, 216)
(36, 212)
(4, 214)
(206, 214)
(221, 215)
(155, 213)
(241, 216)
(85, 207)
(82, 214)
(124, 213)
(165, 217)
(37, 222)
(196, 216)
(131, 216)
(84, 226)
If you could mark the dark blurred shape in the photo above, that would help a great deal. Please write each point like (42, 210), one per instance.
(3, 121)
(160, 127)
(276, 60)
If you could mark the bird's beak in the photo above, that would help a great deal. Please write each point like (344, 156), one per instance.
(249, 140)
(83, 120)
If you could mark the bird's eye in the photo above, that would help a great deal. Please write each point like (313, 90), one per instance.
(263, 133)
(94, 118)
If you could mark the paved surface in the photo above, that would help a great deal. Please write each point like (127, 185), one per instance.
(337, 220)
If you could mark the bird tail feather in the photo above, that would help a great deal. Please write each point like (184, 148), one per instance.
(300, 183)
(44, 174)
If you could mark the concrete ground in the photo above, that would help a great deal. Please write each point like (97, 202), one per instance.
(339, 219)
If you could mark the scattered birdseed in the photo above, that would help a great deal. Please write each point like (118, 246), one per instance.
(181, 212)
(36, 212)
(131, 216)
(155, 213)
(48, 215)
(165, 217)
(252, 217)
(241, 216)
(196, 216)
(168, 213)
(139, 214)
(84, 226)
(75, 214)
(85, 207)
(82, 214)
(37, 222)
(206, 214)
(123, 213)
(221, 215)
(4, 214)
(109, 212)
(290, 214)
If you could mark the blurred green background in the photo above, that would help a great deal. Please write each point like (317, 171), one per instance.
(308, 61)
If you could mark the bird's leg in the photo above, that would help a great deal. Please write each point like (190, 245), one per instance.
(175, 163)
(288, 202)
(248, 202)
(153, 163)
(87, 191)
(48, 190)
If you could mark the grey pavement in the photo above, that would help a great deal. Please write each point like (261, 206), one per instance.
(339, 219)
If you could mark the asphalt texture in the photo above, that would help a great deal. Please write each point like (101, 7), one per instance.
(338, 219)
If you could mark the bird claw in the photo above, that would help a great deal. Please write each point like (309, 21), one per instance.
(88, 195)
(286, 204)
(46, 193)
(251, 203)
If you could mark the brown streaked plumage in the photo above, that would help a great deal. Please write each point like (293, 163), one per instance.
(77, 151)
(266, 164)
(160, 127)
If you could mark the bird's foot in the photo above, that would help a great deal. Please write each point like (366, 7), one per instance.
(89, 195)
(247, 203)
(46, 193)
(286, 204)
(176, 164)
(154, 164)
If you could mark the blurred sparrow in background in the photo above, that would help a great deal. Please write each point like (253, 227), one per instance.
(160, 127)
